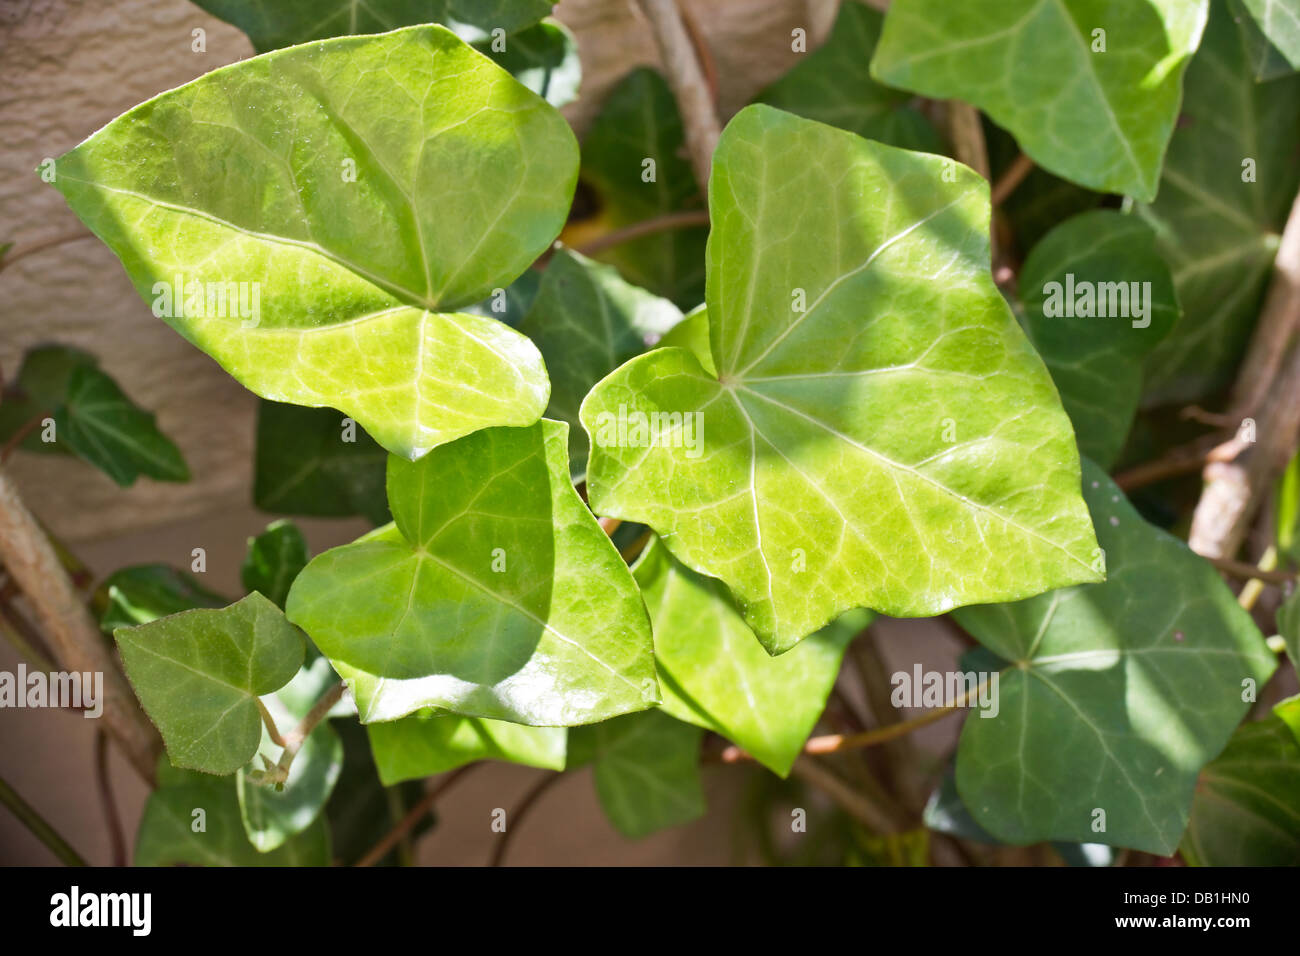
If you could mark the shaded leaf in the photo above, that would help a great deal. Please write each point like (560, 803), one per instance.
(198, 674)
(168, 834)
(273, 560)
(1098, 261)
(1288, 625)
(40, 387)
(304, 465)
(587, 321)
(1278, 23)
(646, 769)
(1118, 693)
(1247, 806)
(272, 24)
(494, 595)
(350, 282)
(1219, 232)
(361, 810)
(714, 673)
(146, 592)
(639, 121)
(833, 85)
(544, 58)
(1100, 117)
(880, 433)
(427, 743)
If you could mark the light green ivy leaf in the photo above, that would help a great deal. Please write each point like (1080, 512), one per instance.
(1117, 695)
(714, 673)
(646, 768)
(639, 121)
(1099, 262)
(833, 85)
(397, 179)
(273, 560)
(169, 833)
(272, 24)
(1247, 806)
(587, 321)
(495, 594)
(198, 674)
(1096, 108)
(879, 432)
(427, 743)
(1228, 184)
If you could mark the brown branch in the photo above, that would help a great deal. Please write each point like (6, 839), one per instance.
(1250, 572)
(112, 821)
(647, 227)
(22, 252)
(19, 436)
(518, 813)
(413, 817)
(76, 640)
(1180, 461)
(1278, 324)
(686, 79)
(850, 800)
(967, 135)
(1012, 177)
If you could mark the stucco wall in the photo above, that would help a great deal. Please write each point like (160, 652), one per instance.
(67, 67)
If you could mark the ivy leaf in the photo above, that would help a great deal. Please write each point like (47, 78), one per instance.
(646, 768)
(39, 388)
(168, 834)
(833, 85)
(544, 58)
(714, 673)
(272, 24)
(427, 743)
(1247, 806)
(146, 592)
(495, 594)
(350, 283)
(274, 559)
(1218, 231)
(1093, 713)
(198, 674)
(895, 445)
(308, 461)
(93, 417)
(270, 815)
(1278, 21)
(587, 321)
(511, 303)
(1096, 108)
(639, 121)
(1097, 262)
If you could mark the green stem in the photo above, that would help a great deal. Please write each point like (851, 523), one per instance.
(34, 822)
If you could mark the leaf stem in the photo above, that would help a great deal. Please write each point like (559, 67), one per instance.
(518, 814)
(18, 437)
(292, 741)
(646, 227)
(413, 817)
(1011, 177)
(39, 828)
(112, 821)
(22, 252)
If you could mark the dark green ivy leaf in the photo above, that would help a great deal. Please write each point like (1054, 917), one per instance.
(586, 321)
(1104, 262)
(274, 559)
(646, 767)
(833, 85)
(316, 462)
(1117, 694)
(198, 674)
(146, 592)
